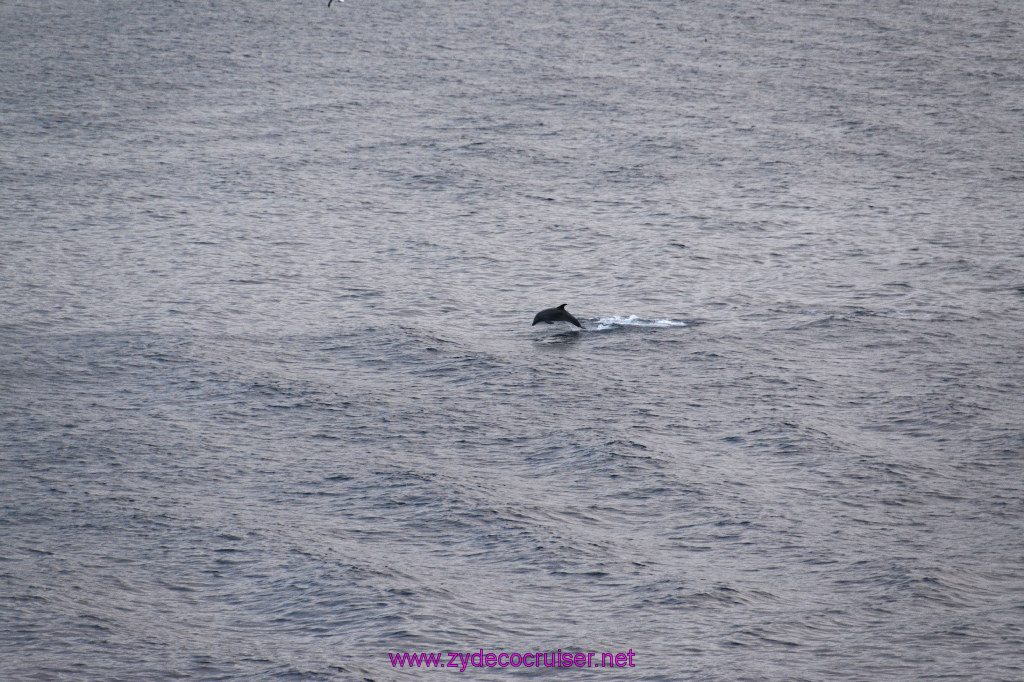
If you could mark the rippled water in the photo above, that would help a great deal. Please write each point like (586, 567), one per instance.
(271, 406)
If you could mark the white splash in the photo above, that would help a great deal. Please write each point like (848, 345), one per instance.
(634, 321)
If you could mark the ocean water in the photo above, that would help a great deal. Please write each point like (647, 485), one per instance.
(271, 406)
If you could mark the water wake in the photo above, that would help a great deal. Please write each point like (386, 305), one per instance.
(634, 321)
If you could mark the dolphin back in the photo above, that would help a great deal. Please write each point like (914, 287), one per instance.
(559, 314)
(567, 316)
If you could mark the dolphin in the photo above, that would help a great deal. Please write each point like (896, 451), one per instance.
(559, 314)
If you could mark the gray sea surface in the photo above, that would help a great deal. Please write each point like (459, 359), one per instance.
(271, 406)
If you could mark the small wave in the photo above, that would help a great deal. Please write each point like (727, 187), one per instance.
(634, 321)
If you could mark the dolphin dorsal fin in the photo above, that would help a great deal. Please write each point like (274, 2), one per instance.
(563, 306)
